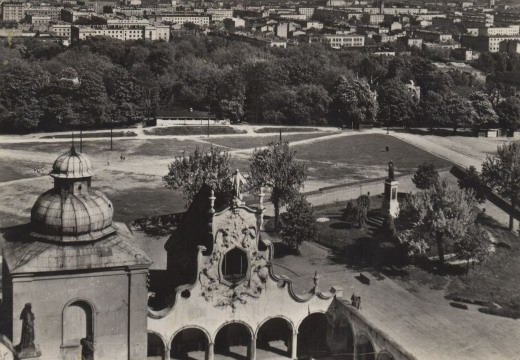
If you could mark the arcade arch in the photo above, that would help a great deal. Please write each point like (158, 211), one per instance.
(235, 340)
(156, 347)
(364, 348)
(312, 336)
(275, 335)
(385, 356)
(189, 342)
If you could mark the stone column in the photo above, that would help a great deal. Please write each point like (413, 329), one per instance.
(167, 351)
(252, 349)
(390, 203)
(294, 346)
(210, 353)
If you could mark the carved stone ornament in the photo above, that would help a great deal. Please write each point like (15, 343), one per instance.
(242, 235)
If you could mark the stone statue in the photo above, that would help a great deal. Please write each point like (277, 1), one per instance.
(87, 348)
(27, 317)
(391, 175)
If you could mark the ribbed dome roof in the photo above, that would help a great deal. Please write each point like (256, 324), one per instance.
(67, 217)
(72, 165)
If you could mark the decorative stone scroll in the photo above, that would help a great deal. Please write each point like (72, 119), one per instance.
(235, 232)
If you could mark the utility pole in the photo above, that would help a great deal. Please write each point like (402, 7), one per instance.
(111, 142)
(280, 136)
(81, 141)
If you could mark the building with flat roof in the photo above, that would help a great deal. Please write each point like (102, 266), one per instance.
(13, 11)
(338, 41)
(219, 14)
(182, 18)
(122, 32)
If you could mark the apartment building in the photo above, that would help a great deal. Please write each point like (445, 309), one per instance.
(62, 30)
(307, 11)
(70, 15)
(219, 14)
(53, 12)
(485, 43)
(182, 18)
(338, 41)
(511, 30)
(13, 11)
(128, 32)
(373, 19)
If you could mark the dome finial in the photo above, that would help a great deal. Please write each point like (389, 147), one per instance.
(72, 147)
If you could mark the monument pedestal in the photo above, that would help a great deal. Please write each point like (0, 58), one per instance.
(390, 202)
(29, 352)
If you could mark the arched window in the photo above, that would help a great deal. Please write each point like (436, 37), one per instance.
(77, 323)
(235, 265)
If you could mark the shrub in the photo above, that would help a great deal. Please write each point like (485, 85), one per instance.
(426, 176)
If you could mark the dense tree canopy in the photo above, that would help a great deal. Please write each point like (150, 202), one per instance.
(397, 106)
(122, 82)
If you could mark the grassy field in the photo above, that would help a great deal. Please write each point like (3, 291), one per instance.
(193, 130)
(254, 142)
(284, 129)
(362, 157)
(101, 148)
(87, 135)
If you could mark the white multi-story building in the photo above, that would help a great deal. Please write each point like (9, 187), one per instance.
(70, 16)
(130, 32)
(337, 41)
(62, 30)
(219, 14)
(13, 11)
(197, 19)
(307, 11)
(314, 25)
(511, 30)
(126, 22)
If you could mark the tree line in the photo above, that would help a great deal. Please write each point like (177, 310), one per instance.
(123, 82)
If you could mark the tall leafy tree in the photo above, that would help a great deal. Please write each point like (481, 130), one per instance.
(460, 112)
(501, 172)
(433, 109)
(190, 171)
(508, 112)
(437, 217)
(276, 167)
(397, 106)
(485, 115)
(298, 223)
(354, 103)
(474, 245)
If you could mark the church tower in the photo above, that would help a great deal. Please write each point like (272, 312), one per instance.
(73, 280)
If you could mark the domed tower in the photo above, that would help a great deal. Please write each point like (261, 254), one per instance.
(78, 271)
(72, 211)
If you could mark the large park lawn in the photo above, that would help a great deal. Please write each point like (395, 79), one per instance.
(251, 142)
(363, 156)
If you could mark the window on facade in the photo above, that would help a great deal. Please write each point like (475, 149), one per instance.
(77, 323)
(235, 265)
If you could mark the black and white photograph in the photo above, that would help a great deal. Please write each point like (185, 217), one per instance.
(260, 179)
